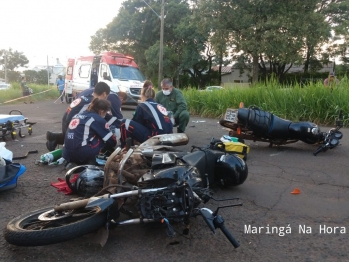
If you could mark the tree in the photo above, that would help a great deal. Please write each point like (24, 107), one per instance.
(14, 59)
(12, 76)
(38, 77)
(331, 24)
(132, 31)
(278, 33)
(136, 31)
(264, 30)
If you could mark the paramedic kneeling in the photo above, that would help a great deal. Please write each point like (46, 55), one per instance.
(80, 104)
(150, 119)
(173, 99)
(88, 132)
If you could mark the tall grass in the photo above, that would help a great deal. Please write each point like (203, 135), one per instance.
(312, 102)
(15, 92)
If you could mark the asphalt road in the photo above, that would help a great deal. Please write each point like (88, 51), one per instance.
(272, 224)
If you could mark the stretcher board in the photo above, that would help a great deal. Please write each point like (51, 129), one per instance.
(10, 124)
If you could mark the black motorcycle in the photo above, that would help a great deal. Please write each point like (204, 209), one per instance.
(170, 190)
(255, 124)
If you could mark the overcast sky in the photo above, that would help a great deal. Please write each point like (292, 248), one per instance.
(57, 29)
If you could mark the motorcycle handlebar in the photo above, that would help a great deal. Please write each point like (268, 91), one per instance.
(321, 148)
(219, 223)
(214, 221)
(229, 236)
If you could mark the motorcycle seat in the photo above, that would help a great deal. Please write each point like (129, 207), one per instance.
(264, 123)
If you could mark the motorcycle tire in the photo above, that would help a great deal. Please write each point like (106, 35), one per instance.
(28, 230)
(68, 98)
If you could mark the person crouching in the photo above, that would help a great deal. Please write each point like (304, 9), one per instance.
(150, 119)
(87, 133)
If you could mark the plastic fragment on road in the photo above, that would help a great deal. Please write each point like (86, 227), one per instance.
(296, 191)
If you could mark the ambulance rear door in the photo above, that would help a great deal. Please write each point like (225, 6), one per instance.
(82, 73)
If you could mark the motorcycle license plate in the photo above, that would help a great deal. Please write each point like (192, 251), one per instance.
(231, 115)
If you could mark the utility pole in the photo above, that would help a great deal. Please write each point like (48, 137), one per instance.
(161, 51)
(5, 66)
(48, 74)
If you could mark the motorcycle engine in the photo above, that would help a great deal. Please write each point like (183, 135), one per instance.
(176, 203)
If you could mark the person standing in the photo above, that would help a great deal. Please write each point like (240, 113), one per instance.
(60, 87)
(25, 91)
(150, 119)
(173, 99)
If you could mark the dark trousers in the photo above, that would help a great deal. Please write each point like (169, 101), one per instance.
(82, 155)
(182, 121)
(134, 130)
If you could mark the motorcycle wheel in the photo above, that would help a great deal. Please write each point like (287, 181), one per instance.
(28, 230)
(68, 98)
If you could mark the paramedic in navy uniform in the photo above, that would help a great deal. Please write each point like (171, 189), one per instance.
(150, 118)
(88, 132)
(80, 104)
(102, 90)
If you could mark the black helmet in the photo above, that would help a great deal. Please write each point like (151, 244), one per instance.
(230, 170)
(89, 180)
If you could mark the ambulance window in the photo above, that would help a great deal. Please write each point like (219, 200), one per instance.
(103, 69)
(84, 71)
(69, 70)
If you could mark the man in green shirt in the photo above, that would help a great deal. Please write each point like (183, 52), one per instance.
(173, 99)
(25, 91)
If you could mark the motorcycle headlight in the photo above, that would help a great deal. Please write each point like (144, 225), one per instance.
(123, 89)
(193, 177)
(315, 130)
(194, 173)
(334, 142)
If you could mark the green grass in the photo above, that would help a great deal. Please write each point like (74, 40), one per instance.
(313, 102)
(15, 92)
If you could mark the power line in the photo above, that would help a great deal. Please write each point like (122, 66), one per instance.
(152, 9)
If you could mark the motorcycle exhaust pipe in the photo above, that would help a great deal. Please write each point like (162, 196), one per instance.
(135, 221)
(71, 205)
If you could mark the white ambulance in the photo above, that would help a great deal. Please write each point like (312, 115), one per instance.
(122, 72)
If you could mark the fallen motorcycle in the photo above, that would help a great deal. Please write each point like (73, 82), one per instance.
(255, 124)
(164, 186)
